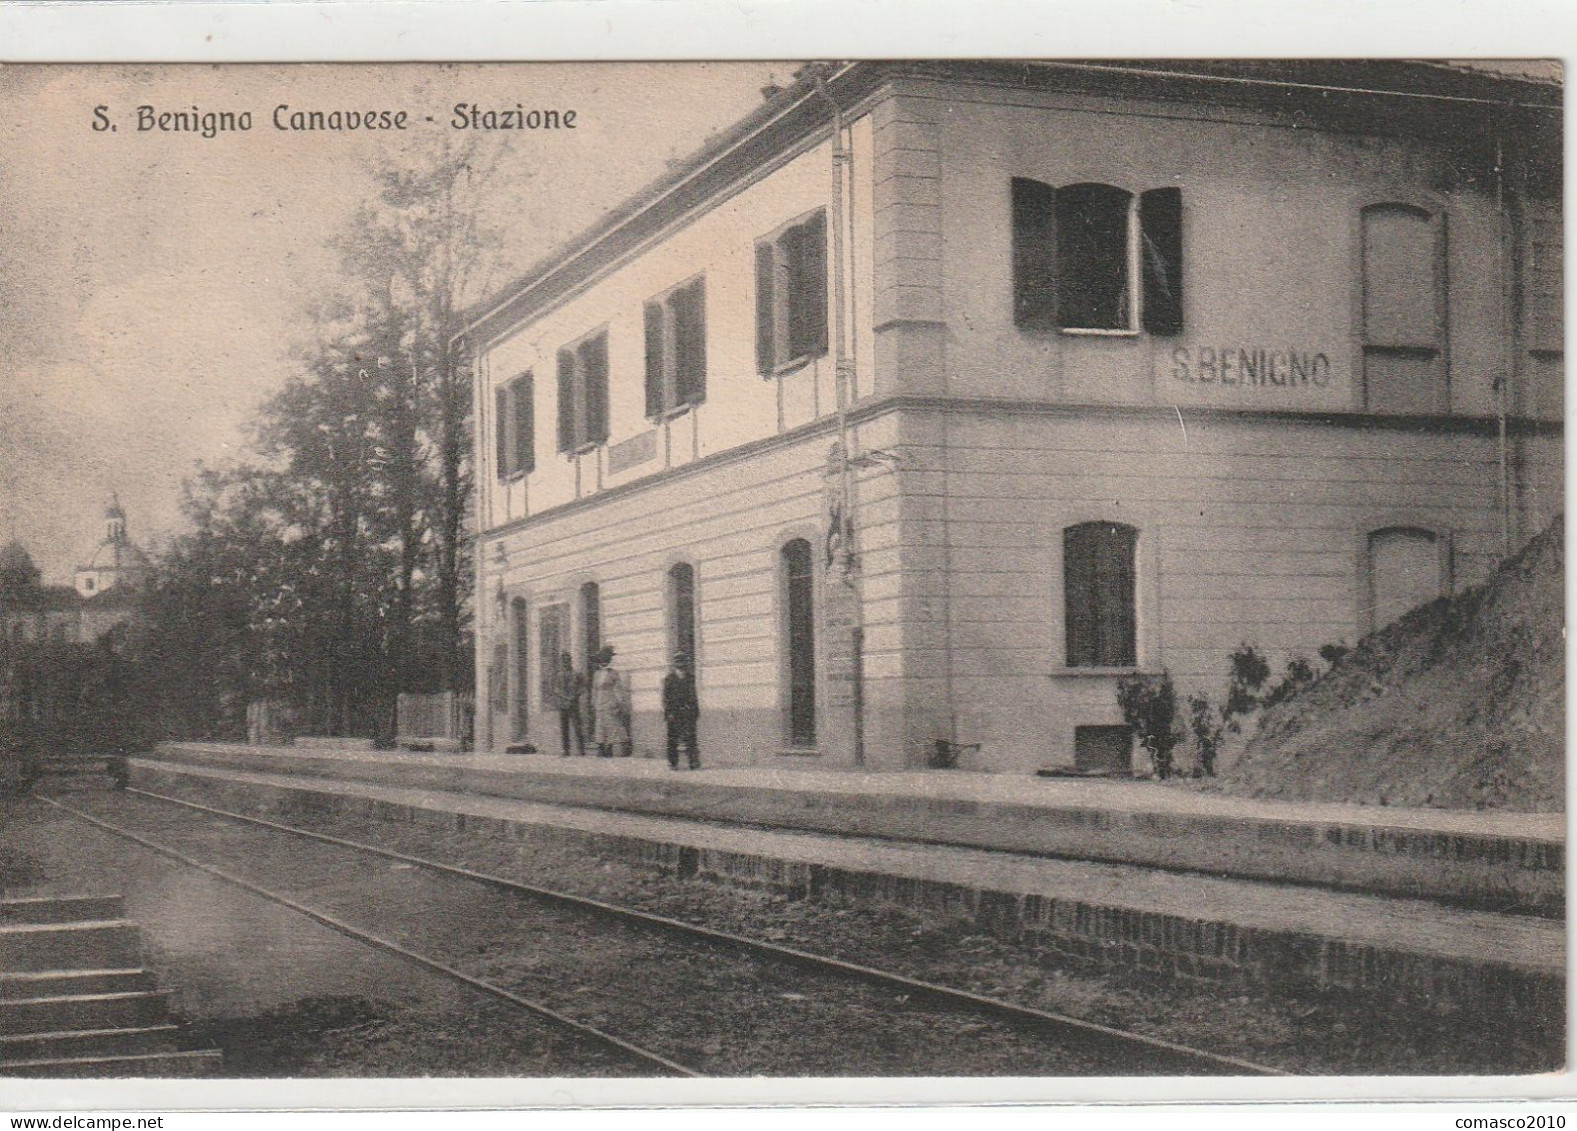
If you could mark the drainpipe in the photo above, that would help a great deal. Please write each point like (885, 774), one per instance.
(843, 385)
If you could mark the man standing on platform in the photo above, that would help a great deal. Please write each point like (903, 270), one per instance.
(681, 710)
(567, 690)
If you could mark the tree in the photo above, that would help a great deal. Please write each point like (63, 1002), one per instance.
(332, 573)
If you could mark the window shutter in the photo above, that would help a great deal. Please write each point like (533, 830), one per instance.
(1114, 580)
(524, 397)
(566, 401)
(808, 288)
(1098, 594)
(594, 371)
(501, 432)
(1034, 254)
(1161, 233)
(689, 313)
(1078, 596)
(766, 268)
(654, 360)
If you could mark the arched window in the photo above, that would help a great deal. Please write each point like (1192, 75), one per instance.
(799, 636)
(1403, 573)
(1098, 583)
(1403, 310)
(522, 641)
(590, 620)
(681, 611)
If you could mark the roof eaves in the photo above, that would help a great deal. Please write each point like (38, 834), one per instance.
(512, 301)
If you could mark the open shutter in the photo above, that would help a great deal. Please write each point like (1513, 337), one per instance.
(501, 432)
(1034, 254)
(689, 314)
(1161, 232)
(524, 398)
(766, 268)
(654, 360)
(808, 296)
(566, 401)
(594, 371)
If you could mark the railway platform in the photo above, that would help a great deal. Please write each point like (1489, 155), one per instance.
(1452, 909)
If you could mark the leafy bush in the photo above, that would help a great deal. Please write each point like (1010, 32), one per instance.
(1250, 670)
(1149, 707)
(1208, 728)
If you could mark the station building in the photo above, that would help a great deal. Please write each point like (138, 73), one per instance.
(932, 399)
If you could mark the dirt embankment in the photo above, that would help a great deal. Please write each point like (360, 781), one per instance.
(1460, 704)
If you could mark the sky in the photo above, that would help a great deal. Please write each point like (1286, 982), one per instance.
(154, 284)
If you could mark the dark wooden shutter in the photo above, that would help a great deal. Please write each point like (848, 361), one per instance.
(689, 314)
(1034, 254)
(766, 268)
(501, 431)
(1161, 231)
(590, 620)
(1114, 573)
(808, 287)
(654, 360)
(594, 372)
(523, 395)
(566, 401)
(1098, 594)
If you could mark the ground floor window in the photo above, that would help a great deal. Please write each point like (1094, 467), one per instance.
(1098, 576)
(522, 666)
(799, 616)
(1403, 573)
(681, 605)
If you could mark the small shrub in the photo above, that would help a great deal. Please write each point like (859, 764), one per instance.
(1208, 729)
(1299, 674)
(1250, 670)
(1149, 707)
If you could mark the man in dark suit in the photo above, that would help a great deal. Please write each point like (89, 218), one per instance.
(681, 710)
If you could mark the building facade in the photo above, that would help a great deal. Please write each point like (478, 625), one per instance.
(104, 594)
(933, 399)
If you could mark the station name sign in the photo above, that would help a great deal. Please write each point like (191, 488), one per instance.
(1250, 365)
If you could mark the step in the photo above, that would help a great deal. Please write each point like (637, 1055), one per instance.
(57, 983)
(84, 1011)
(178, 1065)
(88, 945)
(62, 908)
(90, 1042)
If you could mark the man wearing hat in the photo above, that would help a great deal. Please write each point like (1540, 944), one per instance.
(681, 710)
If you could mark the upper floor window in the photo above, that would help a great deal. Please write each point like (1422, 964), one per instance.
(791, 294)
(1098, 575)
(676, 350)
(1095, 257)
(1404, 311)
(583, 393)
(514, 421)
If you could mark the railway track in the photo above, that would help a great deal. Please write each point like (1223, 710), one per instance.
(606, 972)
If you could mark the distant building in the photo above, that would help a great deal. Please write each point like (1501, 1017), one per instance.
(934, 398)
(105, 593)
